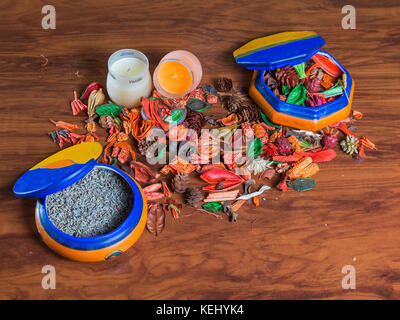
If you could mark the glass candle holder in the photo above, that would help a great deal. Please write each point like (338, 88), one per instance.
(178, 73)
(128, 77)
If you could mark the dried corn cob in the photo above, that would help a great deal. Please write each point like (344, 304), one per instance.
(310, 170)
(295, 143)
(274, 136)
(298, 167)
(258, 131)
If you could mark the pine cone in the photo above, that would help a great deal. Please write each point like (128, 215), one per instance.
(349, 145)
(234, 103)
(180, 183)
(144, 144)
(195, 121)
(284, 146)
(224, 85)
(106, 122)
(249, 113)
(287, 75)
(193, 197)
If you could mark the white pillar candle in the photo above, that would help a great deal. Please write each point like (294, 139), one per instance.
(128, 77)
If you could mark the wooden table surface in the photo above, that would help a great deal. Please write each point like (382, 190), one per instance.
(295, 245)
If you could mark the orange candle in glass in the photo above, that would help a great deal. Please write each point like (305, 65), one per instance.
(178, 73)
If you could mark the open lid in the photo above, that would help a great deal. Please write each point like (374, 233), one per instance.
(279, 50)
(58, 171)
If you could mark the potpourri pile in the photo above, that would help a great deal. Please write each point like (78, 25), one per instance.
(294, 155)
(312, 83)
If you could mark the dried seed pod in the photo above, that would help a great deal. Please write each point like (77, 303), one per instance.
(96, 98)
(155, 219)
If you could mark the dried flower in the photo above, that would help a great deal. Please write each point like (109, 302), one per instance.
(329, 140)
(284, 146)
(349, 145)
(106, 122)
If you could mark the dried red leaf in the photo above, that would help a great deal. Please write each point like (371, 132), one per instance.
(319, 155)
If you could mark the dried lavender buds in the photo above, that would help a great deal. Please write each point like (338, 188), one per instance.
(93, 206)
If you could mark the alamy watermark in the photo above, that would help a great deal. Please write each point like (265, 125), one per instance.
(49, 280)
(49, 20)
(349, 280)
(349, 20)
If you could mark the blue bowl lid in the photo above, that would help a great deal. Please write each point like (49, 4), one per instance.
(58, 171)
(279, 50)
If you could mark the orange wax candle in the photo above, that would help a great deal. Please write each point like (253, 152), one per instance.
(174, 77)
(178, 73)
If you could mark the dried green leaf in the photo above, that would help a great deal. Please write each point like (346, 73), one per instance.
(285, 89)
(297, 95)
(255, 148)
(197, 105)
(215, 206)
(111, 110)
(268, 122)
(302, 184)
(300, 69)
(305, 144)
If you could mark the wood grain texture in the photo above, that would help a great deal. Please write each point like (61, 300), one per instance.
(295, 245)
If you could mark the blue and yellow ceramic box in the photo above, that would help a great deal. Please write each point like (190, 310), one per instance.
(61, 170)
(284, 49)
